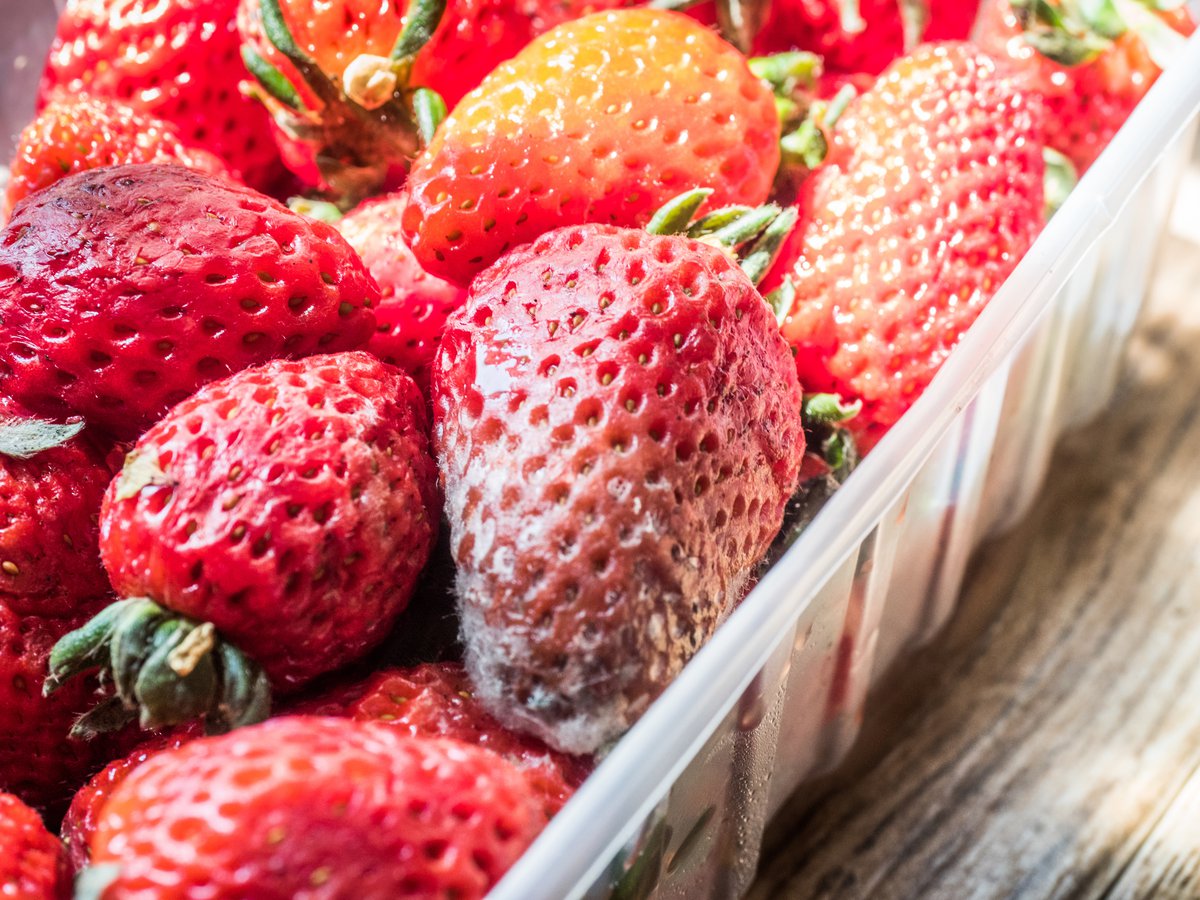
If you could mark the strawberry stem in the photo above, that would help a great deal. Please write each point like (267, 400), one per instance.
(165, 668)
(429, 109)
(914, 14)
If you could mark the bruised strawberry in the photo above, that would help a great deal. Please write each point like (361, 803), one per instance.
(599, 120)
(283, 515)
(931, 194)
(413, 305)
(1090, 73)
(124, 289)
(73, 134)
(437, 700)
(32, 864)
(618, 427)
(177, 60)
(316, 807)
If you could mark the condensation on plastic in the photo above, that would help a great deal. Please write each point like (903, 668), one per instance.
(677, 809)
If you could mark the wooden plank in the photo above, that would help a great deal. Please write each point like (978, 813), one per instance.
(1041, 740)
(1168, 864)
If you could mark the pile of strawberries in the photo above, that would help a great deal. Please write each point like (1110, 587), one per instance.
(575, 304)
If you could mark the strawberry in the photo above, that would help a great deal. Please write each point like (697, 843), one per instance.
(32, 865)
(77, 133)
(308, 807)
(52, 480)
(931, 193)
(342, 79)
(618, 427)
(124, 289)
(288, 508)
(83, 816)
(852, 36)
(595, 121)
(1091, 74)
(177, 60)
(414, 305)
(436, 700)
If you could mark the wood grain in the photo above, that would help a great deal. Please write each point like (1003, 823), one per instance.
(1048, 745)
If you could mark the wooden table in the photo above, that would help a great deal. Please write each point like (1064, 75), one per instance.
(1048, 744)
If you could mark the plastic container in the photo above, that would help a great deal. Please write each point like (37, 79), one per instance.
(777, 697)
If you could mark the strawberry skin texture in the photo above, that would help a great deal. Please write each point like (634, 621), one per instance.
(437, 700)
(618, 428)
(124, 289)
(1086, 105)
(413, 304)
(177, 59)
(78, 133)
(295, 509)
(32, 864)
(931, 194)
(311, 807)
(602, 119)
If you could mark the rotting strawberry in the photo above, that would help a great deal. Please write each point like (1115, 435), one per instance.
(619, 429)
(307, 807)
(437, 700)
(176, 59)
(602, 119)
(413, 307)
(124, 289)
(83, 815)
(931, 193)
(1091, 71)
(32, 863)
(274, 524)
(72, 134)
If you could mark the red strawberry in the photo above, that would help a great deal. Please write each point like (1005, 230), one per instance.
(291, 507)
(340, 78)
(436, 700)
(77, 133)
(50, 582)
(176, 59)
(599, 120)
(618, 425)
(83, 816)
(414, 305)
(853, 36)
(931, 194)
(124, 289)
(308, 807)
(1090, 81)
(32, 865)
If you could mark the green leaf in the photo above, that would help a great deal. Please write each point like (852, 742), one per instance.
(84, 648)
(429, 110)
(169, 692)
(420, 22)
(132, 642)
(1061, 178)
(829, 409)
(321, 210)
(757, 261)
(272, 80)
(675, 216)
(1163, 43)
(25, 438)
(1102, 17)
(277, 32)
(782, 299)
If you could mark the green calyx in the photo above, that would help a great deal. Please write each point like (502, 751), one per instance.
(165, 670)
(368, 124)
(1075, 32)
(754, 235)
(808, 145)
(26, 438)
(824, 417)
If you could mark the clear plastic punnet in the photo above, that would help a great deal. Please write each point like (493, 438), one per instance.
(678, 807)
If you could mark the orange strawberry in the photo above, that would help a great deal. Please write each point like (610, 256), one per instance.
(599, 120)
